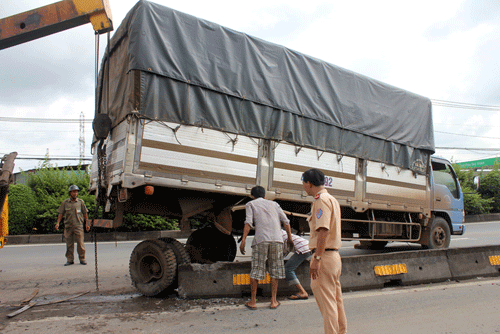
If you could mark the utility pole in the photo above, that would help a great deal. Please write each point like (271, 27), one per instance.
(82, 137)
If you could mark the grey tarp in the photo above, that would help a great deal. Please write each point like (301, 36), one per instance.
(170, 66)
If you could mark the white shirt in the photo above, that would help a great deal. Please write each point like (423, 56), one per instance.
(265, 217)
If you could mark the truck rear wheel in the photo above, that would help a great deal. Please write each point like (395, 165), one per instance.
(438, 236)
(209, 245)
(152, 266)
(180, 251)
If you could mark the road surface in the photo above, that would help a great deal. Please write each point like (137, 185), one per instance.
(460, 308)
(24, 268)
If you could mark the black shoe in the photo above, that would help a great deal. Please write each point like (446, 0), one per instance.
(69, 263)
(83, 262)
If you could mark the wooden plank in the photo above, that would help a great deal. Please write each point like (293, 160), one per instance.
(27, 299)
(31, 304)
(21, 310)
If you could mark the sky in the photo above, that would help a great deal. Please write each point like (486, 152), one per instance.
(448, 51)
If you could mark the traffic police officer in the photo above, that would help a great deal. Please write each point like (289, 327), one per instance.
(324, 242)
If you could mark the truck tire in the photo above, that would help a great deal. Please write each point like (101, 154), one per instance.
(180, 251)
(438, 236)
(181, 256)
(209, 245)
(152, 267)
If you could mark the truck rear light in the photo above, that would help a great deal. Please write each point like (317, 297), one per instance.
(149, 190)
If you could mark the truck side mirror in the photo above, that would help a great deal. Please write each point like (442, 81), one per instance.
(476, 182)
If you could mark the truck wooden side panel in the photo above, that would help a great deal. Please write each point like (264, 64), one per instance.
(191, 153)
(188, 157)
(291, 161)
(390, 184)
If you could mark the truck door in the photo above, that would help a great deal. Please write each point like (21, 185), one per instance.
(447, 196)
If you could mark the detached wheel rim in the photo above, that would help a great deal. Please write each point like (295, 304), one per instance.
(439, 236)
(150, 268)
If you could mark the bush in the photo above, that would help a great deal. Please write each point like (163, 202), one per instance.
(142, 222)
(50, 185)
(33, 208)
(23, 209)
(474, 204)
(483, 200)
(490, 188)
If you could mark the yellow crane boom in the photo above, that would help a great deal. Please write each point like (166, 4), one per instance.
(53, 18)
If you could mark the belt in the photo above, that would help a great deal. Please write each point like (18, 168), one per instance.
(326, 250)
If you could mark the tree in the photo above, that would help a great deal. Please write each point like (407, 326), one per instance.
(23, 209)
(490, 188)
(474, 202)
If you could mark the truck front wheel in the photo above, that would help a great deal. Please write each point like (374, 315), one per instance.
(438, 236)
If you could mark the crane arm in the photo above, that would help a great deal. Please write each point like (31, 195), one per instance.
(56, 17)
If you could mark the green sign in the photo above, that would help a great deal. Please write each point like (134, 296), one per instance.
(479, 163)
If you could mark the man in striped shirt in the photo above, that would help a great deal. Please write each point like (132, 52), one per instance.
(301, 253)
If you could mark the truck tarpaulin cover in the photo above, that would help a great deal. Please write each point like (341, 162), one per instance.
(170, 66)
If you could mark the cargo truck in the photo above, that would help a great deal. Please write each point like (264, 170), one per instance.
(191, 115)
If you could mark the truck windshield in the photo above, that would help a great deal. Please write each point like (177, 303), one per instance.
(444, 174)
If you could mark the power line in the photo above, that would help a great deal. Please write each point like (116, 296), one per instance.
(461, 134)
(42, 120)
(467, 148)
(461, 105)
(34, 157)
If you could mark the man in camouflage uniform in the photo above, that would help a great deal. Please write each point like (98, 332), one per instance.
(74, 212)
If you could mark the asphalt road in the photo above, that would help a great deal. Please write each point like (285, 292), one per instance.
(27, 267)
(460, 308)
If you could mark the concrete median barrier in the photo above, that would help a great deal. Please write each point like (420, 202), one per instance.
(358, 272)
(473, 262)
(230, 279)
(402, 268)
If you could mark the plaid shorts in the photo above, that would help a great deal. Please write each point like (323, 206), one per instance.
(270, 255)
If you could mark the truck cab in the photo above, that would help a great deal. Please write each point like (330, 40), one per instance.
(447, 205)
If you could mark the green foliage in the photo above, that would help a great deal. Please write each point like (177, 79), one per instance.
(481, 201)
(490, 188)
(466, 178)
(23, 209)
(474, 204)
(141, 222)
(33, 208)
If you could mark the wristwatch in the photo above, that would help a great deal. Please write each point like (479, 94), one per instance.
(317, 257)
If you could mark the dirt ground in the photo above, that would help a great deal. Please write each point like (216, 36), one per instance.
(107, 302)
(25, 269)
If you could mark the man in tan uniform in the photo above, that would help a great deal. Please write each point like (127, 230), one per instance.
(74, 212)
(324, 242)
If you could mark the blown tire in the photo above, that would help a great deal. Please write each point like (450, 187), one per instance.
(153, 267)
